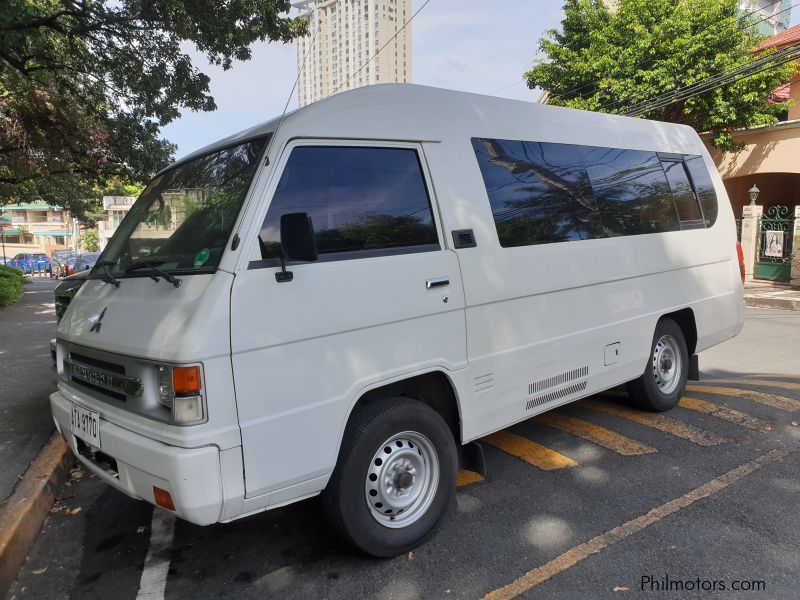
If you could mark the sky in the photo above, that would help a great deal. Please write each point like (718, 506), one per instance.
(469, 45)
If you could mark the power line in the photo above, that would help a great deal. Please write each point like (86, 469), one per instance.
(743, 25)
(612, 104)
(391, 39)
(773, 60)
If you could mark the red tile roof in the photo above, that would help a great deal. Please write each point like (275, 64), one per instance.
(786, 38)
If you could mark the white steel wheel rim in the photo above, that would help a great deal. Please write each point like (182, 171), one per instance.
(402, 479)
(667, 364)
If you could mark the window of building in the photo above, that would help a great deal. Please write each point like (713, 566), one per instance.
(360, 199)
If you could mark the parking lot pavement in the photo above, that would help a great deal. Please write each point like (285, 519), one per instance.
(591, 497)
(25, 379)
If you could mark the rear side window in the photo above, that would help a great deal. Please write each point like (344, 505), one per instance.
(682, 193)
(362, 201)
(632, 191)
(539, 192)
(701, 179)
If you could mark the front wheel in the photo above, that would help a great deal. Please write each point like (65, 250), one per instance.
(394, 478)
(661, 385)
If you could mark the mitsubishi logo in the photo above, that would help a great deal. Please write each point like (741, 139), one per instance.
(97, 321)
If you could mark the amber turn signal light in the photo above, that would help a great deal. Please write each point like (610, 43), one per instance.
(163, 498)
(186, 380)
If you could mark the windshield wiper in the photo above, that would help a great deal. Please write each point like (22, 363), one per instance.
(156, 272)
(106, 275)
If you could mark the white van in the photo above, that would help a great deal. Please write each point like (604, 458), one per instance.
(334, 303)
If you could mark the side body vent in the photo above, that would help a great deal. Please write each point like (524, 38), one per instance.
(545, 384)
(464, 238)
(556, 394)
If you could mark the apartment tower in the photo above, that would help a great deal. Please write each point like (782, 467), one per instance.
(343, 35)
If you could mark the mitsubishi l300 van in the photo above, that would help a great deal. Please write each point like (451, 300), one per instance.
(339, 301)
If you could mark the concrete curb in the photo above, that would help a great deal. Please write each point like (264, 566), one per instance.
(765, 302)
(23, 514)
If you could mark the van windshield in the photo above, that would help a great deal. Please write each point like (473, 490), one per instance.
(182, 221)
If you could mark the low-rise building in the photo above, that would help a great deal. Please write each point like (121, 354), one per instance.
(35, 227)
(115, 208)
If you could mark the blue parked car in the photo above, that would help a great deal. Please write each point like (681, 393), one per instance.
(29, 262)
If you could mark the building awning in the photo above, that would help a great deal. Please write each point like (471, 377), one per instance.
(52, 233)
(10, 231)
(31, 206)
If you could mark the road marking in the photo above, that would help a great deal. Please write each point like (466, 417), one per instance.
(660, 422)
(467, 478)
(725, 413)
(786, 385)
(773, 375)
(529, 451)
(594, 433)
(156, 566)
(781, 402)
(573, 556)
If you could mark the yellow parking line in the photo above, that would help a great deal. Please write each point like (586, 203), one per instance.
(660, 422)
(786, 385)
(573, 556)
(467, 478)
(723, 412)
(529, 451)
(781, 402)
(594, 433)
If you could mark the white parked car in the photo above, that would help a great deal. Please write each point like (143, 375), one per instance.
(334, 303)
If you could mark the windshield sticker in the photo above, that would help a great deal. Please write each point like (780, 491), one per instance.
(201, 258)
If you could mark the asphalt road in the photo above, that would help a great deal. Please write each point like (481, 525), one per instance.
(26, 379)
(703, 497)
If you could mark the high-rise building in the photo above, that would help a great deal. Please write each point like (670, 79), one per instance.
(342, 37)
(772, 16)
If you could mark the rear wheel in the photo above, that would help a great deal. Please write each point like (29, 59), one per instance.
(661, 385)
(394, 478)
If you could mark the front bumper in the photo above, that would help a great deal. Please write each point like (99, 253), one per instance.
(192, 476)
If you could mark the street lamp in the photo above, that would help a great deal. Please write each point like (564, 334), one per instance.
(753, 191)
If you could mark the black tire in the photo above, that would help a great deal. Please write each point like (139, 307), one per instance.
(345, 498)
(645, 391)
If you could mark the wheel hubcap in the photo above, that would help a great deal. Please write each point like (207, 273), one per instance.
(667, 364)
(402, 479)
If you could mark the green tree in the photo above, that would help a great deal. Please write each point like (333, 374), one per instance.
(606, 60)
(88, 241)
(86, 85)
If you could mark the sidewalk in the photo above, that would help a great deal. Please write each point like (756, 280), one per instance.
(763, 294)
(26, 380)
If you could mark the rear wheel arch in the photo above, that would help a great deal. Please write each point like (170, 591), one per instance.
(686, 321)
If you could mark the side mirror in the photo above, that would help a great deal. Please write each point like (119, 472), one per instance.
(298, 242)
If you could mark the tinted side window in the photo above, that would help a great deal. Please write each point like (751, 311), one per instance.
(703, 186)
(631, 190)
(683, 194)
(359, 199)
(539, 192)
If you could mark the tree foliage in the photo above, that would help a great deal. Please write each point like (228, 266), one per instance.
(89, 241)
(86, 85)
(606, 60)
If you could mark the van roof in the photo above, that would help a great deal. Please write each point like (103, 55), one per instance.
(410, 112)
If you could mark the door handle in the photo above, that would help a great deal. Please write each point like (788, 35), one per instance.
(436, 282)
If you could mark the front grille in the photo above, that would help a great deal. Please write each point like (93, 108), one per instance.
(100, 364)
(97, 389)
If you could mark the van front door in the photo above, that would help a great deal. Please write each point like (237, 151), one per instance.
(383, 301)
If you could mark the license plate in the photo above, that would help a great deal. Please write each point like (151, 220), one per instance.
(85, 424)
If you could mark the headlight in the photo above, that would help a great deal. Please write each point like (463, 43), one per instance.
(181, 390)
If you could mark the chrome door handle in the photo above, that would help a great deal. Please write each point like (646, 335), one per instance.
(437, 282)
